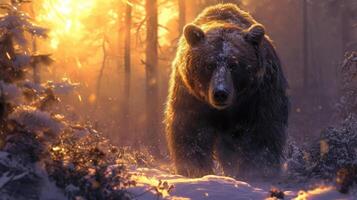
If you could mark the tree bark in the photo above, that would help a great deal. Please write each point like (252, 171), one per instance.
(182, 15)
(101, 72)
(125, 122)
(36, 70)
(152, 111)
(344, 27)
(305, 45)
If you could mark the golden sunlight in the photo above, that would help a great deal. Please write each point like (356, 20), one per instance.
(78, 29)
(82, 31)
(304, 195)
(65, 19)
(167, 14)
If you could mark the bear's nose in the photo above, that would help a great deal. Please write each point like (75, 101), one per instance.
(220, 96)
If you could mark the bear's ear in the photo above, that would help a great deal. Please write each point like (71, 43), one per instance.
(193, 34)
(255, 34)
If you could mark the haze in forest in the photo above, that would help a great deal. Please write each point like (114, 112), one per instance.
(120, 53)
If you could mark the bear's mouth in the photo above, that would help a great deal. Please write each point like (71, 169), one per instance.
(220, 106)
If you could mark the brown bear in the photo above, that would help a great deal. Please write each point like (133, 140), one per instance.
(227, 98)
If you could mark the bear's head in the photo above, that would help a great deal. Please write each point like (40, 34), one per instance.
(222, 64)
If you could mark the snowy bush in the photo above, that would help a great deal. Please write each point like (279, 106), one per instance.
(294, 164)
(336, 148)
(38, 145)
(86, 165)
(36, 121)
(10, 93)
(334, 154)
(17, 179)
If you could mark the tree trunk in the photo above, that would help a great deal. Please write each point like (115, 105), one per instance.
(182, 15)
(152, 111)
(125, 122)
(101, 72)
(305, 45)
(344, 27)
(35, 66)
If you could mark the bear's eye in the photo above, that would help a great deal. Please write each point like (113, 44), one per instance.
(232, 67)
(210, 67)
(248, 67)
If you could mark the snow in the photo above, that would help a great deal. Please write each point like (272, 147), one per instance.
(65, 87)
(5, 178)
(49, 191)
(21, 60)
(62, 88)
(151, 184)
(35, 120)
(10, 92)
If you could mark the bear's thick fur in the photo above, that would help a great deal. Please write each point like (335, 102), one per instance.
(243, 127)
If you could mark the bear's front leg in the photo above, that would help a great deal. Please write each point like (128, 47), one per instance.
(191, 144)
(227, 153)
(262, 152)
(262, 163)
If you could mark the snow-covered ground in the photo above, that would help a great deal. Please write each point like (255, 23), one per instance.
(156, 184)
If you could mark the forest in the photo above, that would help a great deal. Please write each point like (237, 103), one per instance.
(84, 85)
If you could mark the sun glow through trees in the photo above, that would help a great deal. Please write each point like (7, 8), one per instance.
(77, 26)
(66, 19)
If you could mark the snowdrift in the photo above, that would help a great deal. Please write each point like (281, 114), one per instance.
(157, 184)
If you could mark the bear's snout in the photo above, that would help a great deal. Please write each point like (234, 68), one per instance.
(220, 96)
(221, 88)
